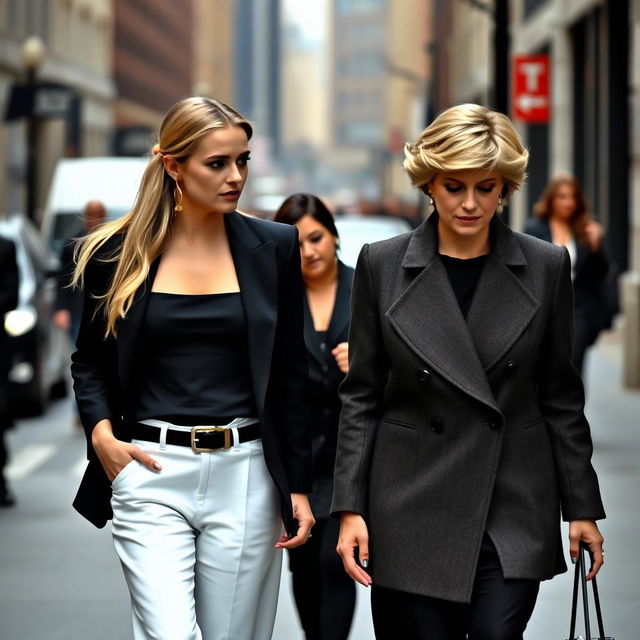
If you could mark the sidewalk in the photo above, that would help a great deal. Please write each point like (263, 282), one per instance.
(614, 414)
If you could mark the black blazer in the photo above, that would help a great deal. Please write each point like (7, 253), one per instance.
(267, 261)
(9, 287)
(325, 378)
(453, 427)
(590, 272)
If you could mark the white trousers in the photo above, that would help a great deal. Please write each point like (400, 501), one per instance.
(196, 542)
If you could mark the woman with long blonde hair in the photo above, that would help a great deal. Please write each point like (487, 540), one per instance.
(190, 378)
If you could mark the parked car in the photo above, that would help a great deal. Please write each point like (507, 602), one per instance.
(114, 181)
(39, 350)
(355, 230)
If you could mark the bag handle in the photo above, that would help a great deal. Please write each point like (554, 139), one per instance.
(580, 574)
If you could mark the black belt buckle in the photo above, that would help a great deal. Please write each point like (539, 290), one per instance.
(194, 438)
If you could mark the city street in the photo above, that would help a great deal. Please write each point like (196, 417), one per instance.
(60, 579)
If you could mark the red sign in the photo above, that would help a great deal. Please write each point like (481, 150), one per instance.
(531, 99)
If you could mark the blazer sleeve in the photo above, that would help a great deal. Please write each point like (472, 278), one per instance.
(361, 394)
(290, 377)
(9, 279)
(94, 363)
(562, 400)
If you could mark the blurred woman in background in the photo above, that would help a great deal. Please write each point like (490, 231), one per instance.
(324, 594)
(562, 217)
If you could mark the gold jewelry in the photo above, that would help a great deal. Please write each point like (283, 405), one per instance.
(177, 198)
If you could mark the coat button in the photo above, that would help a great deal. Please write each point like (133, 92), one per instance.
(511, 367)
(437, 426)
(424, 376)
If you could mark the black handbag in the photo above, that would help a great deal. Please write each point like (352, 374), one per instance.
(580, 583)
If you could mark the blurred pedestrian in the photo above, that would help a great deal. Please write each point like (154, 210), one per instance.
(324, 594)
(562, 217)
(9, 287)
(190, 377)
(462, 433)
(68, 303)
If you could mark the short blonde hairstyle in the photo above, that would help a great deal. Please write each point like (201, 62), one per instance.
(468, 136)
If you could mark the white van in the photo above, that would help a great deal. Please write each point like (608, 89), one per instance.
(112, 180)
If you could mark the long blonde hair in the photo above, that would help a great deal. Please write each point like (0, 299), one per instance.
(468, 136)
(148, 224)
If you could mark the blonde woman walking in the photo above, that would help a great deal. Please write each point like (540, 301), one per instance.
(190, 378)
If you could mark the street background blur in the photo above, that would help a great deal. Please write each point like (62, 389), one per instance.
(335, 88)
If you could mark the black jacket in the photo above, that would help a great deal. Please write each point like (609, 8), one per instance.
(9, 287)
(325, 378)
(591, 299)
(267, 261)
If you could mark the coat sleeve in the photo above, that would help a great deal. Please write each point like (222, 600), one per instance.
(361, 394)
(291, 376)
(64, 278)
(562, 400)
(94, 363)
(9, 280)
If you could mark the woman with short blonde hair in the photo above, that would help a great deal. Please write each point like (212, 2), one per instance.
(462, 434)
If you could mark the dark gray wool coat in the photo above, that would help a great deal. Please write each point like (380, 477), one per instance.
(450, 428)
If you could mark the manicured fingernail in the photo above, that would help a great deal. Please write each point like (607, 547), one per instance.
(157, 466)
(574, 559)
(365, 563)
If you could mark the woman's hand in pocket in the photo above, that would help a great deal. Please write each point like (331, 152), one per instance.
(114, 454)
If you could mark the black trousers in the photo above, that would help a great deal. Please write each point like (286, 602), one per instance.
(325, 595)
(499, 610)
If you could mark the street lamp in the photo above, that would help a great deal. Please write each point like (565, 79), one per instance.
(32, 55)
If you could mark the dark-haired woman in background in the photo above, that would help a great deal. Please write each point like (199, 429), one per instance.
(562, 217)
(324, 593)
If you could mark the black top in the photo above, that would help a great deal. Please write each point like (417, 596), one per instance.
(463, 276)
(196, 364)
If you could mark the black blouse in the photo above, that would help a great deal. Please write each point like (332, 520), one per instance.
(196, 362)
(464, 274)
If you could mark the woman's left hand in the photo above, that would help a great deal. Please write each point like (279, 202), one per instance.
(594, 234)
(587, 531)
(341, 353)
(302, 513)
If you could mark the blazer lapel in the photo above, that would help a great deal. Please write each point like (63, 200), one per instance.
(129, 330)
(341, 307)
(310, 336)
(428, 318)
(503, 305)
(256, 268)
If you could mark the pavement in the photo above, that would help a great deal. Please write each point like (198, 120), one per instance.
(60, 579)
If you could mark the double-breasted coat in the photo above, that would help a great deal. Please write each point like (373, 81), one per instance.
(452, 428)
(106, 371)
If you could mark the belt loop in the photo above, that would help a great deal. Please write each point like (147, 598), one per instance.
(236, 437)
(163, 436)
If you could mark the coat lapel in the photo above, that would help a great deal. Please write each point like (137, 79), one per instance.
(310, 337)
(503, 304)
(428, 318)
(256, 268)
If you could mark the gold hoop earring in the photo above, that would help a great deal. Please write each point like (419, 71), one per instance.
(177, 198)
(500, 207)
